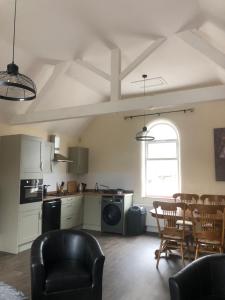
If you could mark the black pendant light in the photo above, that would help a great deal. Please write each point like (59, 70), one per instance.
(143, 135)
(13, 85)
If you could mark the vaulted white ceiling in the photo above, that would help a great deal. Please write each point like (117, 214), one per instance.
(53, 36)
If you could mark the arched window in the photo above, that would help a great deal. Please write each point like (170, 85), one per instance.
(161, 161)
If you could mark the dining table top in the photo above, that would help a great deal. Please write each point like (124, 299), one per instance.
(179, 214)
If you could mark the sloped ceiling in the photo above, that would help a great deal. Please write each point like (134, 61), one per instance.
(52, 34)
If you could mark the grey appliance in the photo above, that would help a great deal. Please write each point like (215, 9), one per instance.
(113, 214)
(51, 214)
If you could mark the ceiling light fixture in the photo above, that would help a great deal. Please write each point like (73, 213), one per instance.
(13, 85)
(143, 135)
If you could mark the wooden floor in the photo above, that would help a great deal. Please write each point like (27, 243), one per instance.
(129, 271)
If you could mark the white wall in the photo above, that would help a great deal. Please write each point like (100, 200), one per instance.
(59, 169)
(115, 155)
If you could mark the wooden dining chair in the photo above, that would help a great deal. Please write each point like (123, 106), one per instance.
(208, 228)
(186, 198)
(213, 199)
(172, 237)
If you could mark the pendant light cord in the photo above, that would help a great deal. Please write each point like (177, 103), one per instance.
(144, 76)
(14, 31)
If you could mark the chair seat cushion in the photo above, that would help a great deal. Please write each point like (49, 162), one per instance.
(186, 222)
(66, 275)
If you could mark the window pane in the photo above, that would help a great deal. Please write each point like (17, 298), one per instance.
(162, 150)
(163, 132)
(161, 177)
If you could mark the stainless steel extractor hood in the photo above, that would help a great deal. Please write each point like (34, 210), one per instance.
(57, 156)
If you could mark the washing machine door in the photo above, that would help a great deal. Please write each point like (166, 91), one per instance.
(111, 214)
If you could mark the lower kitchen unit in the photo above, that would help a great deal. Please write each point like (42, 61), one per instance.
(27, 210)
(87, 210)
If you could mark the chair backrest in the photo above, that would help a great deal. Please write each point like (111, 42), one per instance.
(212, 199)
(61, 245)
(186, 198)
(208, 222)
(170, 213)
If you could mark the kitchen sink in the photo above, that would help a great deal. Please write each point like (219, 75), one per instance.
(108, 191)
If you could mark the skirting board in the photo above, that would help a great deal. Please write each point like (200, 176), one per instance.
(151, 229)
(24, 247)
(92, 227)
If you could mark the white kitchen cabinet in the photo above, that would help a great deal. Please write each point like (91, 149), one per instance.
(30, 216)
(47, 156)
(20, 158)
(92, 212)
(71, 211)
(30, 158)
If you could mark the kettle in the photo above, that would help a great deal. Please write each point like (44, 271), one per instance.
(45, 189)
(81, 187)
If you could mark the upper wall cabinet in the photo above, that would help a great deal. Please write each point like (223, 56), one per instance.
(31, 155)
(47, 156)
(30, 158)
(36, 156)
(79, 156)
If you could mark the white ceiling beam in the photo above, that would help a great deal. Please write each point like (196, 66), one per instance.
(163, 100)
(92, 68)
(145, 54)
(106, 41)
(59, 70)
(115, 74)
(89, 79)
(194, 39)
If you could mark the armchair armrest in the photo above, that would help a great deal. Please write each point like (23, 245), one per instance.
(95, 260)
(203, 277)
(37, 270)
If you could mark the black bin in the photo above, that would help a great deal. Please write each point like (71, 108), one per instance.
(136, 217)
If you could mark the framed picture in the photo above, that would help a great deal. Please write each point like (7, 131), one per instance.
(219, 147)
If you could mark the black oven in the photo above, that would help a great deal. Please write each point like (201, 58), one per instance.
(31, 190)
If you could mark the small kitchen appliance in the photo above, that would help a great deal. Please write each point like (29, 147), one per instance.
(81, 187)
(45, 189)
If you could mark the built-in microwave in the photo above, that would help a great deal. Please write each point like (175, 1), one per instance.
(31, 190)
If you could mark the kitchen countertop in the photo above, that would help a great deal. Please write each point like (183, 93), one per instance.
(52, 197)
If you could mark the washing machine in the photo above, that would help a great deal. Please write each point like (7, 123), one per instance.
(114, 209)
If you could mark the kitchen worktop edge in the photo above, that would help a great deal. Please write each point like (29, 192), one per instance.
(52, 197)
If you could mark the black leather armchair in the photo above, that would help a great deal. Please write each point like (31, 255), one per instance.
(66, 265)
(203, 279)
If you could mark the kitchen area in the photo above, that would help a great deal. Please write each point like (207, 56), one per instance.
(31, 202)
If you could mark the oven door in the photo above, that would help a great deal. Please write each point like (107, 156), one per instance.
(31, 190)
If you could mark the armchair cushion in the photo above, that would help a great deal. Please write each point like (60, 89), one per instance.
(67, 275)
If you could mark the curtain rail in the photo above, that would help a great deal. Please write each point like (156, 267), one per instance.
(160, 113)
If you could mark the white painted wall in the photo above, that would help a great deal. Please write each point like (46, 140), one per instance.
(59, 169)
(115, 156)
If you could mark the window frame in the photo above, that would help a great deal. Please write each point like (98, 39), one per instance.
(145, 158)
